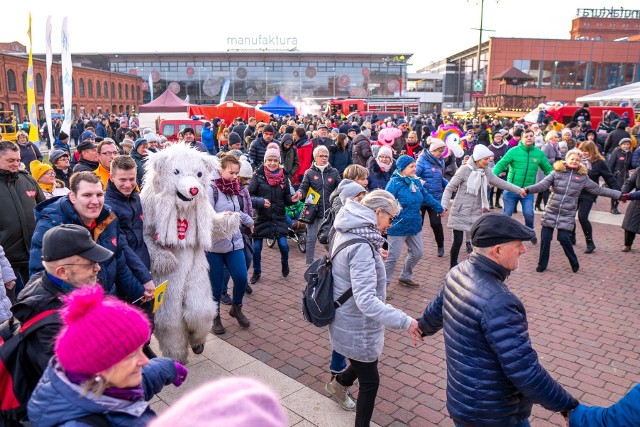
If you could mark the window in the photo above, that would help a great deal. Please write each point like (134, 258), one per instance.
(39, 86)
(53, 85)
(98, 89)
(106, 90)
(119, 90)
(132, 92)
(113, 90)
(81, 87)
(126, 92)
(90, 88)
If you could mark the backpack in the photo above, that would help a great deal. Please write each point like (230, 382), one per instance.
(326, 230)
(16, 372)
(318, 306)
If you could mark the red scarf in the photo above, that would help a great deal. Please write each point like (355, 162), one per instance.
(274, 178)
(227, 187)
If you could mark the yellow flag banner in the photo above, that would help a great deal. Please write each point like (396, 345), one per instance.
(31, 95)
(158, 298)
(312, 196)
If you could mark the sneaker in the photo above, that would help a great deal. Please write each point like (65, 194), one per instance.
(408, 283)
(249, 290)
(225, 299)
(255, 277)
(341, 394)
(469, 248)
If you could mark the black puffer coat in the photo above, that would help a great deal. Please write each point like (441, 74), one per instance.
(322, 182)
(631, 220)
(270, 222)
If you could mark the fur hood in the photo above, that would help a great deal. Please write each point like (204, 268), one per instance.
(561, 166)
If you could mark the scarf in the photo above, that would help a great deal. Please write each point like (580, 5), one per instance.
(322, 168)
(371, 233)
(410, 148)
(587, 163)
(227, 187)
(478, 181)
(47, 187)
(274, 178)
(383, 167)
(131, 394)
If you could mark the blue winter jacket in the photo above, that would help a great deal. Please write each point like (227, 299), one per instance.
(626, 412)
(56, 401)
(114, 276)
(493, 374)
(207, 138)
(128, 209)
(412, 196)
(430, 169)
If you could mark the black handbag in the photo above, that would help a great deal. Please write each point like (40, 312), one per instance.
(309, 213)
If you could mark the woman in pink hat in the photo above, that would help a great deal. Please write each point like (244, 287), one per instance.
(99, 374)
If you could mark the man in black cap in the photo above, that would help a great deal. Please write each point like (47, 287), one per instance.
(582, 112)
(71, 260)
(493, 374)
(259, 145)
(323, 137)
(190, 138)
(88, 157)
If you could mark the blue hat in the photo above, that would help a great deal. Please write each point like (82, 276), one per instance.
(138, 142)
(87, 135)
(401, 122)
(404, 161)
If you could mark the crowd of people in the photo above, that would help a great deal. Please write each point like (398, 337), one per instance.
(77, 220)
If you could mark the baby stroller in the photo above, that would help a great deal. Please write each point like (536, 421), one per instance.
(297, 231)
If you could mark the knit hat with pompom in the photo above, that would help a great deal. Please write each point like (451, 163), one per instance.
(98, 331)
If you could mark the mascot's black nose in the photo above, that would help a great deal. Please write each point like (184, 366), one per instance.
(193, 191)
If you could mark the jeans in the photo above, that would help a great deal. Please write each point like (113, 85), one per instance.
(458, 236)
(312, 237)
(523, 423)
(414, 246)
(257, 253)
(236, 263)
(564, 237)
(435, 222)
(511, 200)
(248, 256)
(338, 362)
(367, 375)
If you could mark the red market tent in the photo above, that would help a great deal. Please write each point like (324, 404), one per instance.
(228, 111)
(168, 102)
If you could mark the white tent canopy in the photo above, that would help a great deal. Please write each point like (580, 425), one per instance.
(629, 93)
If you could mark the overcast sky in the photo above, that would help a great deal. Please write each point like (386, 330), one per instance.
(431, 30)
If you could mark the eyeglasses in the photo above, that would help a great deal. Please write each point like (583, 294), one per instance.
(109, 153)
(391, 217)
(50, 173)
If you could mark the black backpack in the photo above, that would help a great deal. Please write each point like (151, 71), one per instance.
(17, 380)
(318, 306)
(326, 230)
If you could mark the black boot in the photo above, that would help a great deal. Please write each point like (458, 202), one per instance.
(218, 329)
(236, 312)
(285, 269)
(590, 246)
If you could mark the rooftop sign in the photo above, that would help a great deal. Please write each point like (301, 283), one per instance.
(262, 42)
(609, 13)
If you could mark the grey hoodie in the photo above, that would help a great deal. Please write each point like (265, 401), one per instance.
(357, 331)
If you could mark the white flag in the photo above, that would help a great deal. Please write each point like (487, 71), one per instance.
(67, 78)
(47, 87)
(225, 90)
(151, 86)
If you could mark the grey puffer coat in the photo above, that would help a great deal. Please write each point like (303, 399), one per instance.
(357, 331)
(467, 208)
(566, 185)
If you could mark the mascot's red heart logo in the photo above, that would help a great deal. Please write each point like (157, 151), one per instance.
(114, 241)
(433, 169)
(183, 226)
(141, 217)
(535, 160)
(329, 179)
(31, 193)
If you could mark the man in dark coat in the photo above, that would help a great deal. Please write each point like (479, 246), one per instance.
(485, 327)
(323, 137)
(88, 157)
(259, 146)
(19, 193)
(582, 112)
(614, 138)
(71, 260)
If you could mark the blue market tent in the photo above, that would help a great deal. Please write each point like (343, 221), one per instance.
(279, 105)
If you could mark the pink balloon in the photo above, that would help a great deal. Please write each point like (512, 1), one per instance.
(388, 135)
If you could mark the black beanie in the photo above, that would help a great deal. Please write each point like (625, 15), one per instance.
(234, 138)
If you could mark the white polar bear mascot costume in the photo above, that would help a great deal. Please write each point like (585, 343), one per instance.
(179, 224)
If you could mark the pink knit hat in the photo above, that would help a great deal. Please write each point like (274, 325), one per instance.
(229, 402)
(272, 152)
(98, 331)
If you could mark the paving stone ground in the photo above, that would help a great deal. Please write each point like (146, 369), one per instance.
(585, 327)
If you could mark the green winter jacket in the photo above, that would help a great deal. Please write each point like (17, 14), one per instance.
(523, 163)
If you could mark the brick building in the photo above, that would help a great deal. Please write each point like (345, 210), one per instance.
(94, 91)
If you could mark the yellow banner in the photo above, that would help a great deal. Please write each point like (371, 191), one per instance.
(158, 298)
(31, 95)
(312, 196)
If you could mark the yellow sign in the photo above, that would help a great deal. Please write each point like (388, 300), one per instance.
(312, 196)
(158, 298)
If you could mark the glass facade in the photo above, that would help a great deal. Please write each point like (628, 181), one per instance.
(593, 76)
(251, 81)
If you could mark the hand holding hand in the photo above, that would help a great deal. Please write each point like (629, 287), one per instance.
(523, 192)
(267, 203)
(181, 373)
(296, 197)
(415, 332)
